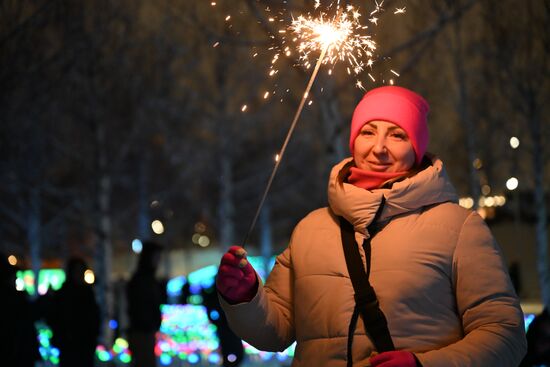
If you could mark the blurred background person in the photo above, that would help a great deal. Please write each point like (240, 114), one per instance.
(18, 338)
(145, 293)
(538, 341)
(73, 315)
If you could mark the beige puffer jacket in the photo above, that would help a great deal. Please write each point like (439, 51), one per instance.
(437, 271)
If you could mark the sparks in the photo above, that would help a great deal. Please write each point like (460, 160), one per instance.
(378, 7)
(342, 36)
(400, 10)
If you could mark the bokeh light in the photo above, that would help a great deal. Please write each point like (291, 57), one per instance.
(12, 260)
(89, 276)
(157, 226)
(512, 183)
(137, 246)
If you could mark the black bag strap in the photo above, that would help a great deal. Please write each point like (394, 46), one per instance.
(366, 302)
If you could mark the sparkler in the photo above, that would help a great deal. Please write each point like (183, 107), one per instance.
(337, 39)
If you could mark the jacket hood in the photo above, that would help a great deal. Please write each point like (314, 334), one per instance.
(359, 206)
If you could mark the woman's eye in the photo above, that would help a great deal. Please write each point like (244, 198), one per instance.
(367, 132)
(399, 136)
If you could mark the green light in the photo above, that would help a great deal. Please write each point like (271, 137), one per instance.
(195, 299)
(117, 349)
(45, 342)
(103, 356)
(125, 358)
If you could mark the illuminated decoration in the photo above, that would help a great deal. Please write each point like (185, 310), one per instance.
(477, 163)
(137, 246)
(203, 277)
(512, 183)
(203, 241)
(467, 203)
(47, 351)
(89, 276)
(484, 201)
(12, 260)
(514, 142)
(47, 278)
(195, 238)
(261, 265)
(157, 226)
(186, 336)
(175, 285)
(259, 356)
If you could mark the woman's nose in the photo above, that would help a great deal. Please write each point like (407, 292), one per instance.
(380, 145)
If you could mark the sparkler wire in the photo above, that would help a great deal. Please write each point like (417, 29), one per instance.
(287, 139)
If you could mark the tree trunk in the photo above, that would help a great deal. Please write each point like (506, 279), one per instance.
(331, 119)
(34, 234)
(226, 209)
(103, 233)
(464, 113)
(144, 219)
(541, 233)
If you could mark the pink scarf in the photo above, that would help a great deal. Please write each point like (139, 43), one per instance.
(370, 180)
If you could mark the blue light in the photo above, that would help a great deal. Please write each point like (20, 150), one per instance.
(214, 358)
(528, 318)
(214, 315)
(165, 359)
(194, 288)
(137, 246)
(203, 277)
(193, 358)
(175, 285)
(113, 324)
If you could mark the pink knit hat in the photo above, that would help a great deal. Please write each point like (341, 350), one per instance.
(398, 105)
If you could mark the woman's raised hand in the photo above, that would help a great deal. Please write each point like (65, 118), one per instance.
(236, 280)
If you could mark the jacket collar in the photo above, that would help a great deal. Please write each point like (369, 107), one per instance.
(358, 206)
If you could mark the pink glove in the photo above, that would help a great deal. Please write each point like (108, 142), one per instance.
(398, 358)
(236, 280)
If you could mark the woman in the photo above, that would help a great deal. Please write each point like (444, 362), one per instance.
(74, 317)
(436, 272)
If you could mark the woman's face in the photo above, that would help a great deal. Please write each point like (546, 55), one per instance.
(382, 146)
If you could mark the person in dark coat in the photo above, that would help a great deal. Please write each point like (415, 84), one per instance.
(538, 341)
(73, 315)
(18, 338)
(145, 294)
(230, 344)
